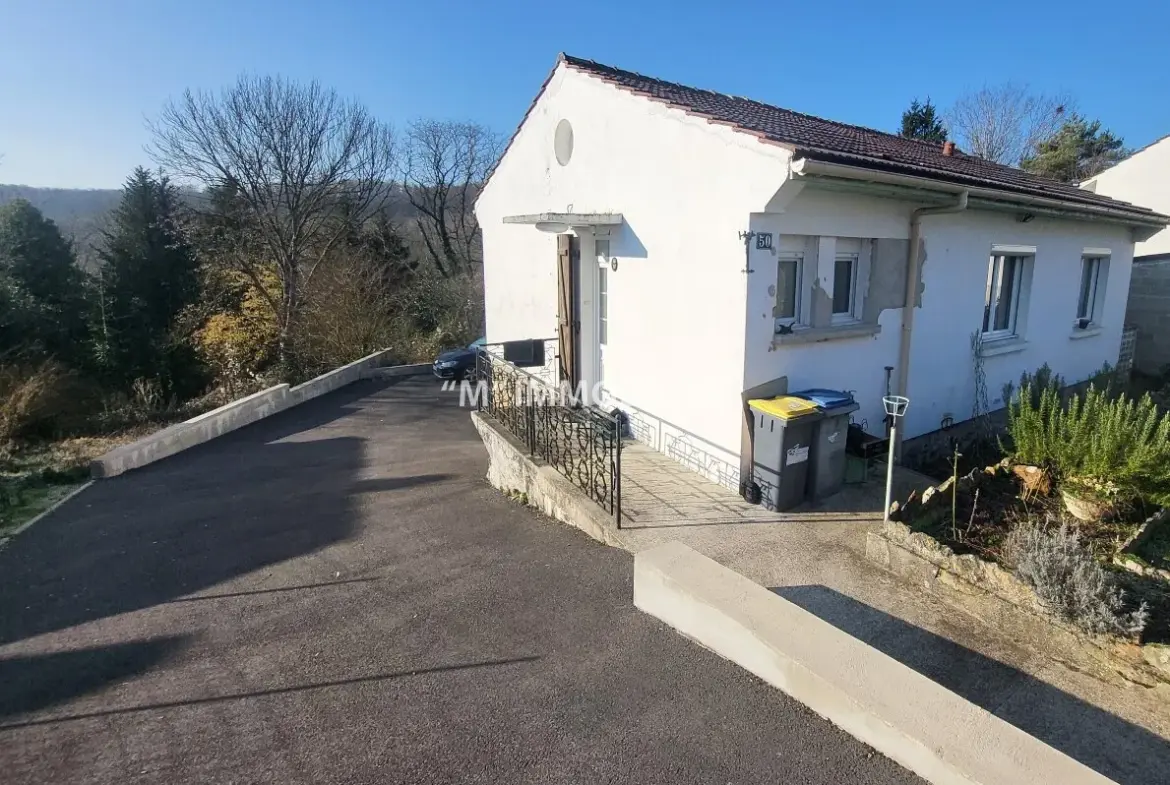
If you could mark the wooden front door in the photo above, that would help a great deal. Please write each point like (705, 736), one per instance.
(568, 318)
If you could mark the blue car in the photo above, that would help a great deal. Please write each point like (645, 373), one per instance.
(458, 363)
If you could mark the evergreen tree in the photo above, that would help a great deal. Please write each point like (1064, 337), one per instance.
(921, 121)
(148, 275)
(1078, 150)
(41, 288)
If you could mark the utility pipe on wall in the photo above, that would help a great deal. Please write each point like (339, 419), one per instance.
(913, 282)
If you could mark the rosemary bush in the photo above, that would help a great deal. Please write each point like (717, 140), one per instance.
(1109, 446)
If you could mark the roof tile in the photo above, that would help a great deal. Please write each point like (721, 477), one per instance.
(825, 139)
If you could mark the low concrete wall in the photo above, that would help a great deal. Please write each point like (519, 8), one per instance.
(335, 379)
(513, 471)
(395, 371)
(897, 711)
(187, 434)
(227, 418)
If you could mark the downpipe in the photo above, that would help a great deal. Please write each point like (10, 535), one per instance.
(913, 283)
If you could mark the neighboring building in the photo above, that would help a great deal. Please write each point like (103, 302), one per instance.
(616, 221)
(1144, 178)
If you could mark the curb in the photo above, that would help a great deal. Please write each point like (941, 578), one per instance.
(45, 512)
(897, 711)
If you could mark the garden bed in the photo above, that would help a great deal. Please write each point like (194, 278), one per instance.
(959, 530)
(987, 503)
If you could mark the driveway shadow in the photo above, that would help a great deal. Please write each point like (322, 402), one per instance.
(33, 682)
(1126, 753)
(224, 509)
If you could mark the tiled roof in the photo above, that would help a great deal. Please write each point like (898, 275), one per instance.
(820, 139)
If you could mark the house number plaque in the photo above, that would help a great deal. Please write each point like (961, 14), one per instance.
(763, 241)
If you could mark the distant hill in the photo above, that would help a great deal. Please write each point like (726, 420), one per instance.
(64, 205)
(79, 213)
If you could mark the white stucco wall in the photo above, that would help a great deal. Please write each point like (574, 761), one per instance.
(954, 277)
(846, 364)
(1142, 179)
(689, 330)
(677, 300)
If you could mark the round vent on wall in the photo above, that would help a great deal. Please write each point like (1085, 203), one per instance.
(563, 142)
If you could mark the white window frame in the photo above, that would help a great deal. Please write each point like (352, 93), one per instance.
(849, 315)
(994, 286)
(1091, 291)
(798, 286)
(602, 292)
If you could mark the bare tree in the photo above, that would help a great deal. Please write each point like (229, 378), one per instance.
(1005, 122)
(445, 165)
(295, 162)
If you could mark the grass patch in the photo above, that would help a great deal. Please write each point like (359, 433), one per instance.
(34, 476)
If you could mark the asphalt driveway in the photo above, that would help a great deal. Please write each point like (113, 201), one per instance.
(334, 595)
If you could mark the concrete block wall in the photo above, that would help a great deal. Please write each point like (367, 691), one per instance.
(1149, 311)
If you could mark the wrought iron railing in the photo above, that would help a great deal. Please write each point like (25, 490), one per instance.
(579, 440)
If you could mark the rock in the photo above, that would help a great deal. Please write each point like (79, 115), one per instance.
(1083, 509)
(1035, 479)
(1157, 655)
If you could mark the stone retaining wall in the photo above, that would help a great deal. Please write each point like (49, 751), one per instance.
(993, 594)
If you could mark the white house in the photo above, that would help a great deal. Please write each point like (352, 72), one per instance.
(1142, 178)
(690, 250)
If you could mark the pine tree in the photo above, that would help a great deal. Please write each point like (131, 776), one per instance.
(1078, 150)
(41, 288)
(148, 275)
(921, 121)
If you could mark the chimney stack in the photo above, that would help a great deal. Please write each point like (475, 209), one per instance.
(948, 148)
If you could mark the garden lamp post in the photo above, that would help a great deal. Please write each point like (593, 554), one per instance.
(895, 408)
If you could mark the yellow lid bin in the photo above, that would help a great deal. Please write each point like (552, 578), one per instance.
(786, 407)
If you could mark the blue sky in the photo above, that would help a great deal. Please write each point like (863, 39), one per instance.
(78, 79)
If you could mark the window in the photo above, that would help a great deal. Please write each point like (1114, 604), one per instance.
(1090, 278)
(844, 286)
(1001, 303)
(788, 274)
(602, 305)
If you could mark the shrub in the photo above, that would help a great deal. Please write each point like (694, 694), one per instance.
(1114, 446)
(347, 314)
(239, 343)
(1069, 581)
(32, 399)
(1036, 384)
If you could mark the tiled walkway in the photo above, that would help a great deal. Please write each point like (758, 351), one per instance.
(658, 492)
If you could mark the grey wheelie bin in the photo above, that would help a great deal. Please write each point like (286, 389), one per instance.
(826, 471)
(782, 445)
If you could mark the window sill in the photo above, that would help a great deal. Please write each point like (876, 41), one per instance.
(1004, 346)
(803, 335)
(1088, 332)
